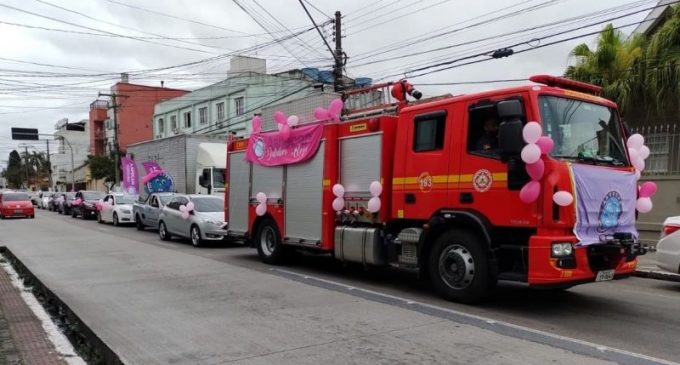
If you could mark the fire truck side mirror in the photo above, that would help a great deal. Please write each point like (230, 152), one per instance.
(510, 141)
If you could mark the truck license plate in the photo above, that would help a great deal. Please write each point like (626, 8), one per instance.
(605, 275)
(18, 211)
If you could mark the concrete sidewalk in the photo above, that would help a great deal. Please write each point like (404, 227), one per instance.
(153, 305)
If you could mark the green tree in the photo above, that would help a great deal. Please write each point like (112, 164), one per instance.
(662, 63)
(15, 173)
(102, 167)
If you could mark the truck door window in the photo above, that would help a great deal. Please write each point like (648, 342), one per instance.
(483, 130)
(429, 132)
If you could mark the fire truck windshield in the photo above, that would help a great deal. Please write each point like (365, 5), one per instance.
(583, 131)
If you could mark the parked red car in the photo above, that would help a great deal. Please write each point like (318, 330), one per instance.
(15, 204)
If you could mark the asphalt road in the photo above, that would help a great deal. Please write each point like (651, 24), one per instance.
(640, 316)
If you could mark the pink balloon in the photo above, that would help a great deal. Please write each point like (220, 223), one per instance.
(644, 152)
(530, 192)
(335, 109)
(531, 153)
(546, 144)
(185, 215)
(257, 124)
(321, 114)
(338, 190)
(639, 163)
(338, 204)
(77, 201)
(536, 170)
(261, 197)
(190, 206)
(375, 188)
(647, 189)
(261, 209)
(635, 141)
(280, 118)
(563, 198)
(374, 204)
(293, 120)
(644, 205)
(285, 132)
(183, 208)
(532, 132)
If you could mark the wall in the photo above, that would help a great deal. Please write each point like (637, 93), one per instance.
(61, 158)
(666, 203)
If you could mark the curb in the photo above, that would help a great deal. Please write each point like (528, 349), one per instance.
(658, 275)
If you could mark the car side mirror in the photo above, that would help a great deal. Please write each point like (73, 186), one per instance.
(201, 181)
(510, 140)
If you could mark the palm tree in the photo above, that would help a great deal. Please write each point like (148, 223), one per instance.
(611, 65)
(662, 64)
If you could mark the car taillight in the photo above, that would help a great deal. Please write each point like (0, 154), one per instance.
(669, 229)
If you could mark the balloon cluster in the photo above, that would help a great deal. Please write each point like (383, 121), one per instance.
(77, 202)
(261, 208)
(538, 145)
(101, 205)
(374, 203)
(186, 209)
(339, 201)
(332, 113)
(638, 153)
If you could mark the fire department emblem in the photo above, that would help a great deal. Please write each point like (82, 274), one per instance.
(425, 182)
(258, 148)
(611, 209)
(482, 180)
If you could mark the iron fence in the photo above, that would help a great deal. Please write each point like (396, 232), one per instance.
(663, 141)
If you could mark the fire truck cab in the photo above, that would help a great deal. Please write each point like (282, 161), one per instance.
(451, 173)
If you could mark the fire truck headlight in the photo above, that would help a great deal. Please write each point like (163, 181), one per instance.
(561, 249)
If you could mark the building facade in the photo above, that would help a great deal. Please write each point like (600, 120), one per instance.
(227, 106)
(134, 109)
(73, 146)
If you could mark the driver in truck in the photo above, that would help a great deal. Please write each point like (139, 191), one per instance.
(488, 142)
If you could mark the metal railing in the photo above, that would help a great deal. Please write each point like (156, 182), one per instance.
(663, 141)
(99, 104)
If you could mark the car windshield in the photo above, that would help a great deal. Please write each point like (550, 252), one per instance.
(218, 178)
(126, 199)
(15, 197)
(70, 196)
(165, 199)
(92, 195)
(583, 131)
(208, 204)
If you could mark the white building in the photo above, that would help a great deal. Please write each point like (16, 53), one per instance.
(70, 138)
(228, 105)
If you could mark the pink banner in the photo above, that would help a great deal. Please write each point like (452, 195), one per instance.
(272, 149)
(130, 182)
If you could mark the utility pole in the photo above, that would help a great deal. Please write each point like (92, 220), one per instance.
(116, 148)
(27, 177)
(49, 165)
(339, 64)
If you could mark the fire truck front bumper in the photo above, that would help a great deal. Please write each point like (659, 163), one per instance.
(561, 262)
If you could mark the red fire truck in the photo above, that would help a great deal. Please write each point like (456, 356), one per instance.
(450, 205)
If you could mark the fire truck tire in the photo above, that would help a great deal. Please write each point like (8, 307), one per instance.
(458, 267)
(268, 243)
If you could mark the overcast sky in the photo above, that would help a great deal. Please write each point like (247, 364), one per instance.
(57, 54)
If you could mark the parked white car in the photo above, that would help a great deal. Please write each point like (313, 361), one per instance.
(668, 248)
(117, 209)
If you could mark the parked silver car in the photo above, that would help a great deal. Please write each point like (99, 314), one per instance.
(204, 223)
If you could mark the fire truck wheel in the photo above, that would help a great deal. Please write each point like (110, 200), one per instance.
(268, 243)
(459, 268)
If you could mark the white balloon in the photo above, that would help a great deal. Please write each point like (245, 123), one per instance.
(531, 153)
(639, 163)
(644, 205)
(293, 120)
(338, 190)
(338, 204)
(635, 141)
(375, 188)
(261, 209)
(563, 198)
(261, 197)
(637, 174)
(374, 205)
(644, 152)
(532, 132)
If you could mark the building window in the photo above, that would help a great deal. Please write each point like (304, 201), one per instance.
(239, 106)
(187, 120)
(173, 123)
(429, 132)
(203, 115)
(220, 112)
(161, 126)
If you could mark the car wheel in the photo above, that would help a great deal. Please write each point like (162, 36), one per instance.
(268, 241)
(163, 232)
(74, 214)
(83, 215)
(459, 268)
(196, 236)
(115, 219)
(33, 216)
(138, 223)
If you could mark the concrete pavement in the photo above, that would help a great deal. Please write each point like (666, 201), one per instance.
(157, 303)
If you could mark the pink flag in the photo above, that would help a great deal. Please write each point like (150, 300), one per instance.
(277, 148)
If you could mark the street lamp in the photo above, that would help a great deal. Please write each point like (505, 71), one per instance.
(73, 183)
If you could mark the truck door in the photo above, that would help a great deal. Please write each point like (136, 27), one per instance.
(484, 184)
(424, 175)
